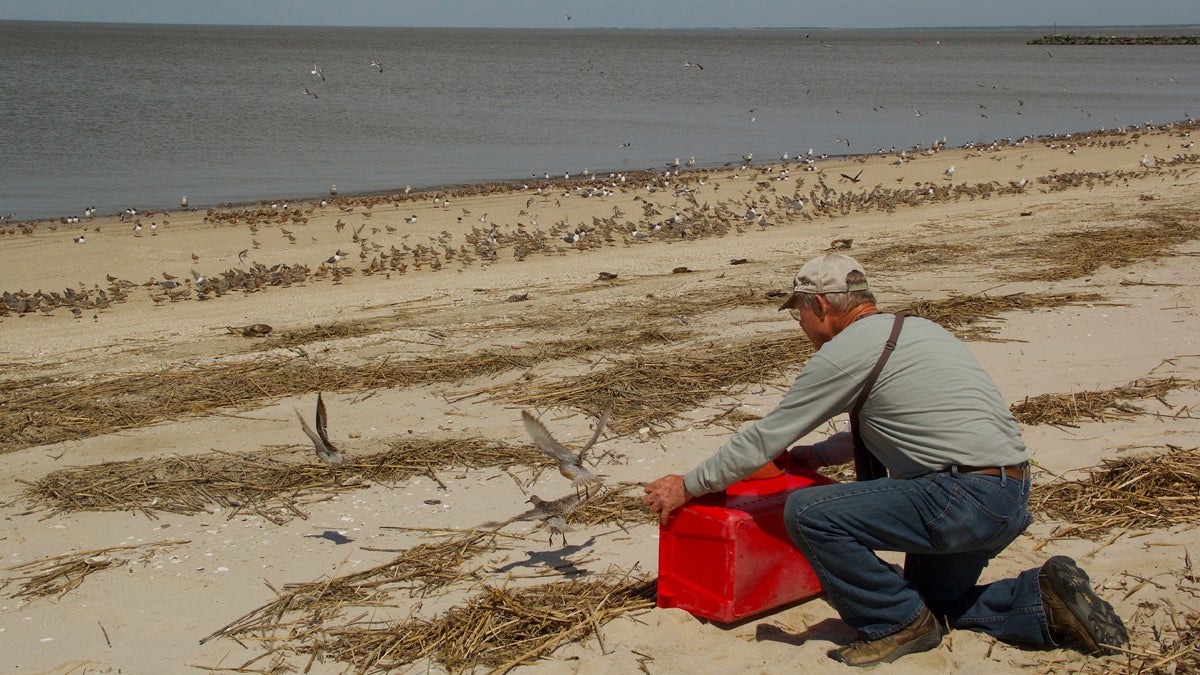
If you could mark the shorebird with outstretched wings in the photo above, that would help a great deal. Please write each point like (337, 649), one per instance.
(570, 464)
(327, 451)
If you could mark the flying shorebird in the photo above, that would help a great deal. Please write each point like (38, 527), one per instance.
(316, 70)
(309, 93)
(689, 64)
(570, 464)
(377, 65)
(325, 450)
(854, 178)
(841, 140)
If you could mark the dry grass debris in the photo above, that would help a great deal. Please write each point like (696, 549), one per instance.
(58, 411)
(59, 574)
(1105, 405)
(255, 483)
(1079, 253)
(301, 611)
(1154, 490)
(652, 390)
(498, 629)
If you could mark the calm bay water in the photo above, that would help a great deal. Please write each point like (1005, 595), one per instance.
(136, 115)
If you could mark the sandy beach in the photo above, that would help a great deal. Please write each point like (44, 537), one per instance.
(125, 549)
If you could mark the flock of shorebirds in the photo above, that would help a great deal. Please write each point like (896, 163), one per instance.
(674, 205)
(551, 514)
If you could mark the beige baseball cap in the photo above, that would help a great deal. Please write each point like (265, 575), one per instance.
(825, 274)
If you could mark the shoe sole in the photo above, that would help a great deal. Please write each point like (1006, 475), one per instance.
(1096, 622)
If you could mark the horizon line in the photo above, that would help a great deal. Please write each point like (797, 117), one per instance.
(1055, 26)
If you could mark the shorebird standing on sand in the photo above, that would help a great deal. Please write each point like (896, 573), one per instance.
(553, 514)
(550, 514)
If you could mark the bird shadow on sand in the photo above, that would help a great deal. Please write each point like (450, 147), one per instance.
(332, 535)
(557, 560)
(827, 630)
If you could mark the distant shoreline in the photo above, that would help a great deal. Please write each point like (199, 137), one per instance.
(479, 188)
(324, 27)
(1116, 40)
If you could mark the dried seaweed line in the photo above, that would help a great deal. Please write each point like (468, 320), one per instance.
(652, 390)
(1064, 409)
(1147, 491)
(498, 629)
(539, 609)
(57, 575)
(421, 568)
(251, 483)
(1075, 254)
(52, 413)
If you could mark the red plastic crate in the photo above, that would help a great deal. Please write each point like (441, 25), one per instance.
(727, 556)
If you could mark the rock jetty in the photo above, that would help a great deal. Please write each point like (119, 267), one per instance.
(1116, 40)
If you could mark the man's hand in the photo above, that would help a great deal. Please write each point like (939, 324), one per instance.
(665, 495)
(802, 456)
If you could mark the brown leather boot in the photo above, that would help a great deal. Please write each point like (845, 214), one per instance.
(1075, 612)
(919, 636)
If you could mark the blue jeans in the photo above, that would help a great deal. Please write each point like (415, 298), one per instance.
(949, 525)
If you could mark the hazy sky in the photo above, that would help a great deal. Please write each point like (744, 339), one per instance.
(616, 13)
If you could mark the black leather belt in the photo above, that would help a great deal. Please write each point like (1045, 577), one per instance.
(1015, 471)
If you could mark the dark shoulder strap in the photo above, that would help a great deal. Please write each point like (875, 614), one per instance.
(866, 466)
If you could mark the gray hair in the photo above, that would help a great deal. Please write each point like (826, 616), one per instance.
(842, 302)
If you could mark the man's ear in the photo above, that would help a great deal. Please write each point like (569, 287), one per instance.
(820, 306)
